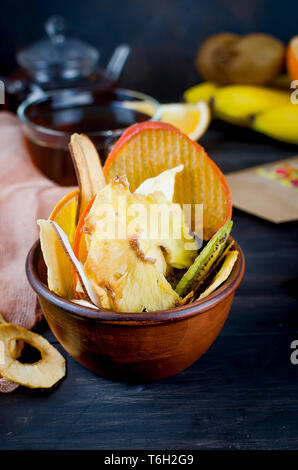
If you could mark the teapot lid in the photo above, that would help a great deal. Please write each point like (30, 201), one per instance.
(58, 56)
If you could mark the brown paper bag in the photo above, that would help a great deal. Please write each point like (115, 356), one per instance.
(269, 191)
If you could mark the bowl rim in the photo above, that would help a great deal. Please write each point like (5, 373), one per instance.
(158, 316)
(45, 95)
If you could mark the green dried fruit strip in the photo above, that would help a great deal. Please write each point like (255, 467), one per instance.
(227, 247)
(197, 272)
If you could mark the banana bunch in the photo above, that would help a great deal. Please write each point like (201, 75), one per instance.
(264, 109)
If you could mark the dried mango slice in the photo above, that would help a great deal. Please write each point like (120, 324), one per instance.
(58, 264)
(146, 149)
(88, 169)
(223, 274)
(42, 374)
(197, 272)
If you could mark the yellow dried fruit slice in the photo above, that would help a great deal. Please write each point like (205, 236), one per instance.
(88, 169)
(124, 262)
(42, 374)
(16, 347)
(223, 273)
(76, 264)
(59, 267)
(164, 182)
(146, 149)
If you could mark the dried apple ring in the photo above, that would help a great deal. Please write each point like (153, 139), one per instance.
(41, 374)
(15, 347)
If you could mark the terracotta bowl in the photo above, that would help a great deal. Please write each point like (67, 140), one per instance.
(134, 347)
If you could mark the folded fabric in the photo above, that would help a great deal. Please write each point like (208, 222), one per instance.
(25, 195)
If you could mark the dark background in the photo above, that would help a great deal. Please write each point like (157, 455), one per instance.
(164, 34)
(243, 393)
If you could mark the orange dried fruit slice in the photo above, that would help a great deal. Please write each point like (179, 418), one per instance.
(146, 149)
(64, 213)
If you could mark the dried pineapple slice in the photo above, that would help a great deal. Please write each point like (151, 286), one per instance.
(126, 268)
(42, 374)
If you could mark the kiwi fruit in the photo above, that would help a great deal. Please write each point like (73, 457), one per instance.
(214, 55)
(254, 59)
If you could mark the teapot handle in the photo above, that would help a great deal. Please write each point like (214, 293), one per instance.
(117, 61)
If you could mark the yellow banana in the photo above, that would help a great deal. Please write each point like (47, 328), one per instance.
(202, 92)
(280, 123)
(237, 103)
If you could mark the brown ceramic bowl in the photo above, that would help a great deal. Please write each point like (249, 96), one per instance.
(134, 347)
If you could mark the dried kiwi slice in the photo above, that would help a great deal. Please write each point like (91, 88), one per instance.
(223, 274)
(197, 272)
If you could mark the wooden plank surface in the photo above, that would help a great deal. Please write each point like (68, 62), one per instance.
(242, 394)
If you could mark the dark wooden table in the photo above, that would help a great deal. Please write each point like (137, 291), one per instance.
(242, 394)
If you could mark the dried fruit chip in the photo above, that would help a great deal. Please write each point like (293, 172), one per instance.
(58, 263)
(88, 169)
(197, 272)
(65, 244)
(164, 182)
(223, 274)
(65, 212)
(15, 347)
(127, 272)
(84, 303)
(146, 149)
(42, 374)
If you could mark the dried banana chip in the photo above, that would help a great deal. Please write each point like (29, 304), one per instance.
(88, 169)
(77, 265)
(41, 374)
(223, 274)
(84, 303)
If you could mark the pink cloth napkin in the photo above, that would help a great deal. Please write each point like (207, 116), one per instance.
(25, 196)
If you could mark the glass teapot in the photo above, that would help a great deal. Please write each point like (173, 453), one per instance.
(60, 61)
